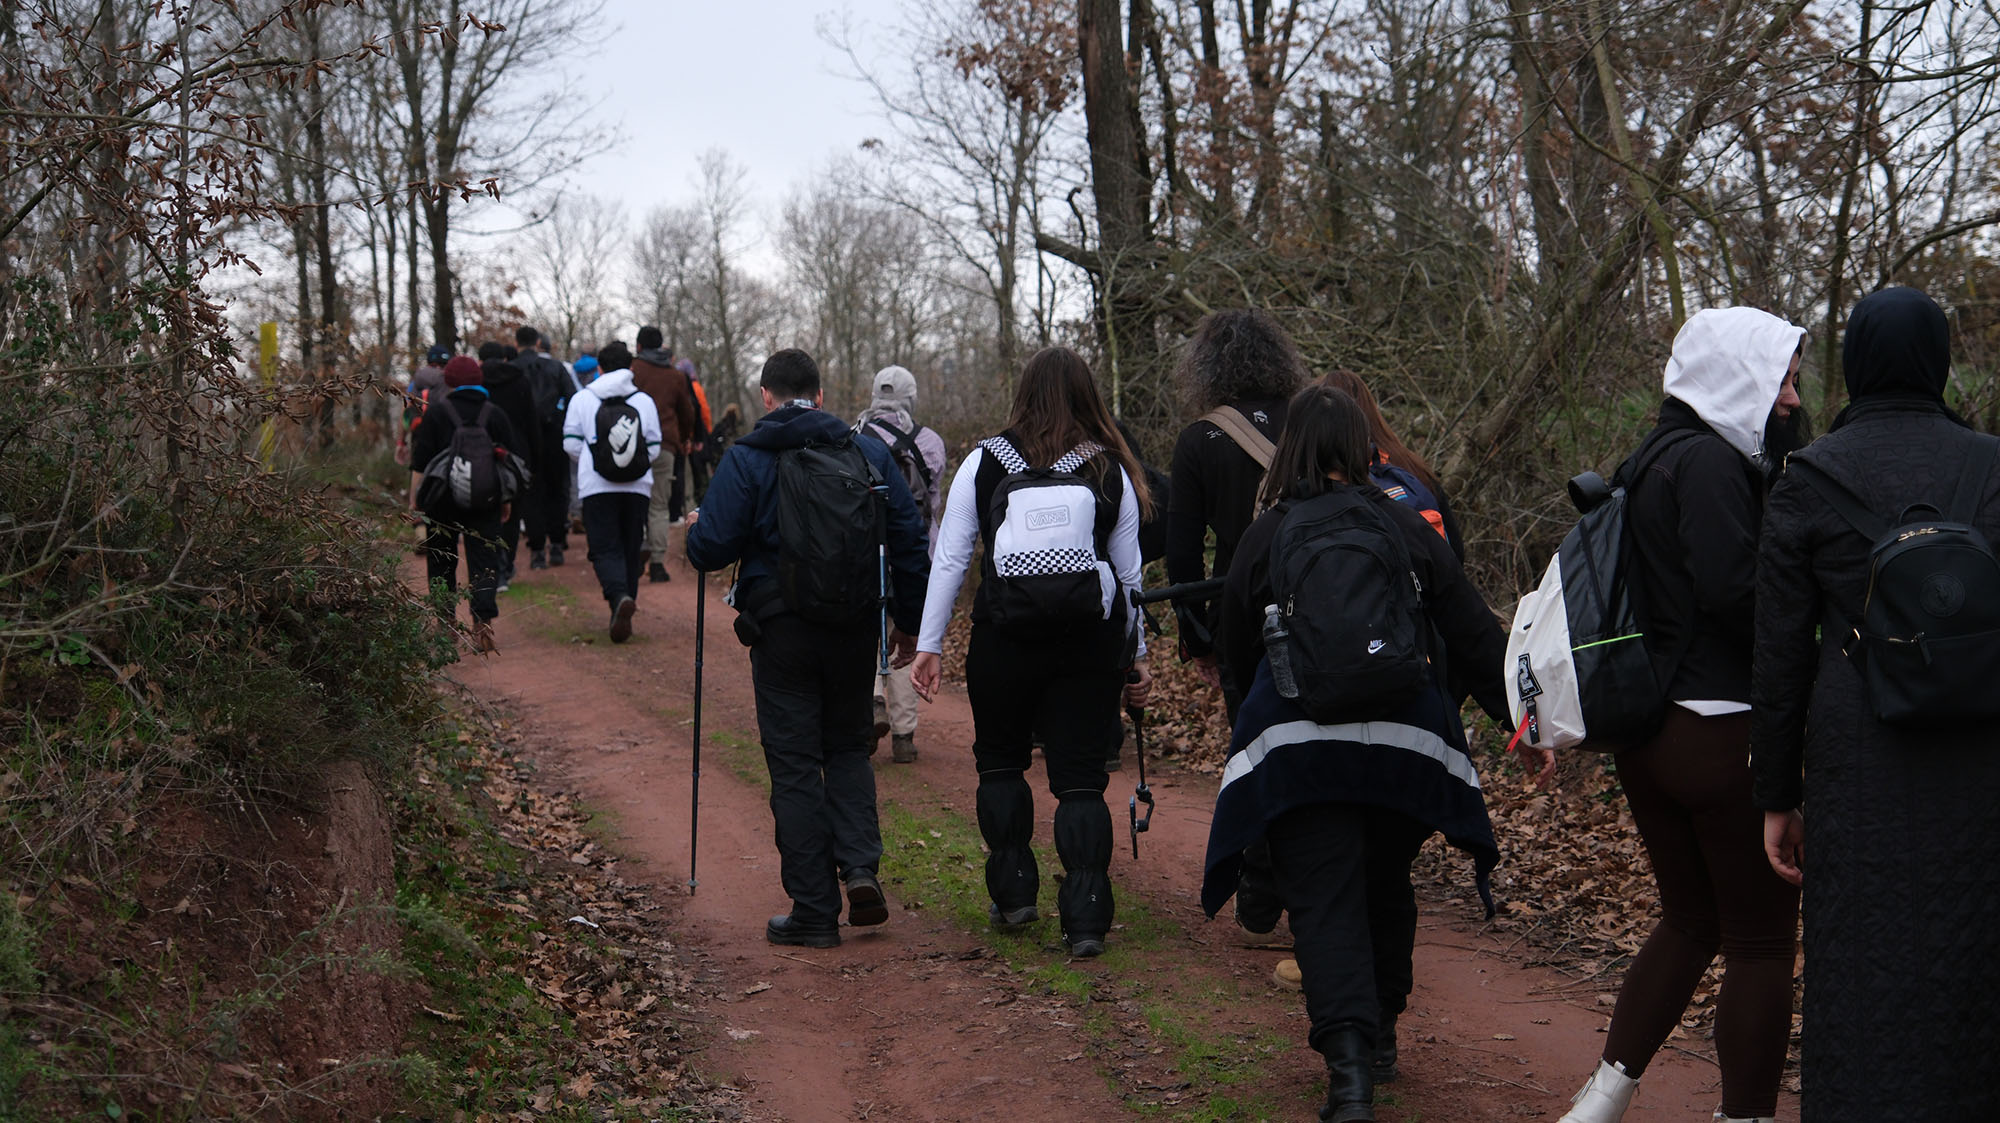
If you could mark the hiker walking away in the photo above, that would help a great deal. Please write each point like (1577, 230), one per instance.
(1237, 373)
(508, 385)
(804, 505)
(465, 402)
(1053, 502)
(691, 471)
(1348, 751)
(1399, 471)
(1893, 811)
(654, 373)
(919, 454)
(550, 385)
(612, 432)
(1694, 502)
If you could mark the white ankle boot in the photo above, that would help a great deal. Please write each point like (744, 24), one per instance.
(1605, 1098)
(1721, 1118)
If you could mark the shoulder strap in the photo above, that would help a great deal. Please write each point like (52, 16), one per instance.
(1628, 473)
(1972, 481)
(1851, 510)
(1076, 458)
(1230, 420)
(1001, 449)
(485, 411)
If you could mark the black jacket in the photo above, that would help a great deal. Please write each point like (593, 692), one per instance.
(508, 385)
(1475, 647)
(1214, 485)
(1693, 518)
(433, 433)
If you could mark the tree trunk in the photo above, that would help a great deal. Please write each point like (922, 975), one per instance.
(444, 313)
(1122, 191)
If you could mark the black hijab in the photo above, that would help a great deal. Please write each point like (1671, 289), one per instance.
(1897, 353)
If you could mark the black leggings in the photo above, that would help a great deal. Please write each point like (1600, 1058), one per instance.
(1690, 793)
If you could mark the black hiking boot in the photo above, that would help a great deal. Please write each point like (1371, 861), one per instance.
(539, 559)
(786, 932)
(1382, 1067)
(555, 555)
(657, 573)
(621, 619)
(1011, 918)
(865, 904)
(1350, 1089)
(1083, 947)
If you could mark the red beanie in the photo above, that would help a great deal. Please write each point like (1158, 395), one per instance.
(462, 370)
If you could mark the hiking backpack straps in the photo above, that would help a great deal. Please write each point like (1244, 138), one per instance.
(832, 522)
(1231, 421)
(1357, 638)
(1577, 659)
(904, 448)
(463, 479)
(1049, 554)
(619, 452)
(1928, 640)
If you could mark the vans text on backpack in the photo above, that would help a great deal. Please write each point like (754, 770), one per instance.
(1576, 655)
(1050, 554)
(832, 522)
(1928, 640)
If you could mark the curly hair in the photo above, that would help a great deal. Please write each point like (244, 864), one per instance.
(1237, 355)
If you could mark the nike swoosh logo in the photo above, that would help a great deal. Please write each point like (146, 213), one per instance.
(1374, 646)
(624, 443)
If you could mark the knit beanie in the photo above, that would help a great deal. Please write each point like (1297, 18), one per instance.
(462, 370)
(895, 388)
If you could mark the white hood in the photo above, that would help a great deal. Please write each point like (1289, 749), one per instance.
(616, 384)
(1728, 365)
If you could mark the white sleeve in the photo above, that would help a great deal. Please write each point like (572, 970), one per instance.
(957, 537)
(1125, 558)
(649, 424)
(576, 436)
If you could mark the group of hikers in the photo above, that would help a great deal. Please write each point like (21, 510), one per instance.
(1820, 621)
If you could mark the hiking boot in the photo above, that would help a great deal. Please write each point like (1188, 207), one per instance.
(1350, 1090)
(657, 573)
(865, 903)
(1287, 974)
(1083, 947)
(1011, 918)
(555, 555)
(1257, 909)
(1604, 1097)
(787, 932)
(881, 723)
(1383, 1065)
(903, 748)
(621, 619)
(539, 559)
(502, 586)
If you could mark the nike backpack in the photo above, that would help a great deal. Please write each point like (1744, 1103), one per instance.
(464, 479)
(1048, 557)
(1928, 641)
(1352, 606)
(1576, 656)
(619, 452)
(832, 518)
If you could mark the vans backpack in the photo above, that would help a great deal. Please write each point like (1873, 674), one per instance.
(619, 452)
(464, 479)
(1048, 558)
(1928, 644)
(916, 473)
(1353, 607)
(1576, 655)
(831, 530)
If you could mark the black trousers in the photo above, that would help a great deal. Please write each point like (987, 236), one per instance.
(1344, 870)
(816, 718)
(677, 498)
(1020, 689)
(485, 546)
(547, 505)
(615, 526)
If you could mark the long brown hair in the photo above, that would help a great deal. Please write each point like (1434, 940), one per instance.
(1326, 431)
(1057, 407)
(1384, 437)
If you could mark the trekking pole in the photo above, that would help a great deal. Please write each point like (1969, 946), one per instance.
(700, 632)
(1142, 794)
(882, 589)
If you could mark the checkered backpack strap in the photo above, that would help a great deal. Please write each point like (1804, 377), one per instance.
(1076, 458)
(1002, 449)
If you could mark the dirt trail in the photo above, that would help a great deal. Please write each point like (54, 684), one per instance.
(918, 1019)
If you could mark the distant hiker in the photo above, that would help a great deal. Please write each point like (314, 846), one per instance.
(1692, 515)
(1348, 750)
(654, 373)
(727, 427)
(919, 454)
(547, 515)
(1401, 473)
(508, 385)
(1054, 503)
(612, 432)
(430, 376)
(1239, 370)
(804, 505)
(465, 403)
(691, 476)
(1898, 839)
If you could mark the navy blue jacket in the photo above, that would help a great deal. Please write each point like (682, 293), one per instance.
(739, 514)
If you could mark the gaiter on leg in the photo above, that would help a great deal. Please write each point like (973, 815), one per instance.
(1083, 841)
(1007, 823)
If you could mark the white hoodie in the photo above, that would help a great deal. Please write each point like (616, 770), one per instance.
(580, 432)
(1729, 365)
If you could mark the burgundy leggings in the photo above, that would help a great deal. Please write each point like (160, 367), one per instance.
(1690, 793)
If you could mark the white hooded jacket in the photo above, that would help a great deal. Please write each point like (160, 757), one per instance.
(580, 432)
(1729, 366)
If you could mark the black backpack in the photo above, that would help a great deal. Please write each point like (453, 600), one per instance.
(831, 529)
(1048, 550)
(1928, 644)
(619, 452)
(464, 479)
(916, 473)
(1353, 605)
(549, 385)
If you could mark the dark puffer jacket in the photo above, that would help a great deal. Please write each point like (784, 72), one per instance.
(1902, 854)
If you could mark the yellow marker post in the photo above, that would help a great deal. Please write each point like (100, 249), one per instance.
(267, 367)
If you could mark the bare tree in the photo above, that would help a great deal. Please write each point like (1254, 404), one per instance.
(567, 267)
